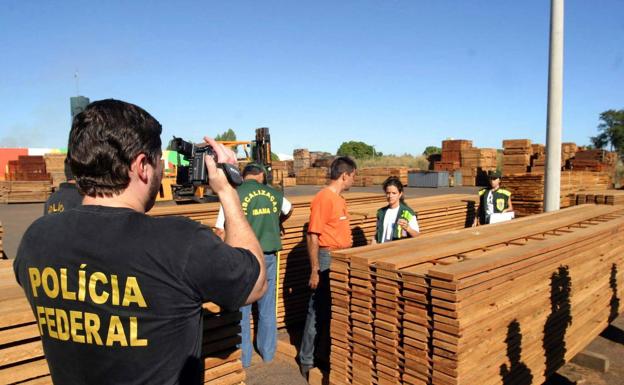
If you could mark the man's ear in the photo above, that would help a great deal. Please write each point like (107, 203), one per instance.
(139, 167)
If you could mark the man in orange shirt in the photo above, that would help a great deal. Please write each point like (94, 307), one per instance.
(328, 230)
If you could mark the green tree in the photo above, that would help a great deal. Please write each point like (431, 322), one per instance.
(274, 156)
(611, 130)
(430, 150)
(358, 150)
(228, 135)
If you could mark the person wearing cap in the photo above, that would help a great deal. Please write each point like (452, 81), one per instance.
(495, 200)
(66, 197)
(265, 209)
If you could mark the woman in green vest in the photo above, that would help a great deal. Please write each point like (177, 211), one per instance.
(397, 220)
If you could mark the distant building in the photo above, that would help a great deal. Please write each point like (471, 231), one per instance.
(78, 104)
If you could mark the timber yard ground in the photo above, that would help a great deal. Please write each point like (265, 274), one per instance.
(283, 370)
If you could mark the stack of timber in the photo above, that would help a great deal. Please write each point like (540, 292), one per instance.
(528, 189)
(380, 174)
(25, 191)
(289, 181)
(516, 311)
(301, 160)
(594, 160)
(413, 312)
(435, 214)
(516, 156)
(451, 154)
(324, 161)
(55, 166)
(2, 255)
(538, 160)
(475, 165)
(22, 355)
(287, 166)
(28, 168)
(318, 176)
(362, 181)
(568, 151)
(600, 197)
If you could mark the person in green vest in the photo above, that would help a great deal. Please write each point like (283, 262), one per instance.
(396, 220)
(495, 200)
(265, 209)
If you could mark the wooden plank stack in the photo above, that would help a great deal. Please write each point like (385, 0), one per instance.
(380, 174)
(2, 256)
(313, 176)
(516, 156)
(528, 189)
(518, 313)
(287, 166)
(416, 312)
(301, 160)
(451, 154)
(599, 197)
(22, 352)
(594, 160)
(25, 191)
(28, 168)
(55, 166)
(475, 164)
(435, 214)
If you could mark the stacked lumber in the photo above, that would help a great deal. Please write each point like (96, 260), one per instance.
(568, 151)
(435, 214)
(289, 181)
(528, 189)
(324, 161)
(55, 166)
(475, 165)
(400, 317)
(313, 176)
(594, 160)
(516, 156)
(27, 168)
(380, 174)
(599, 197)
(538, 159)
(2, 256)
(451, 154)
(518, 313)
(287, 166)
(301, 160)
(22, 352)
(278, 176)
(362, 181)
(25, 191)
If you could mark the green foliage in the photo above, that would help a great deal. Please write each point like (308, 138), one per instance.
(430, 150)
(274, 156)
(357, 150)
(228, 135)
(611, 130)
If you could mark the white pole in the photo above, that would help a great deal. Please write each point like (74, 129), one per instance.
(555, 107)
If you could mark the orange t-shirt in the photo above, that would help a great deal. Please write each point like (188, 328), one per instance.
(330, 220)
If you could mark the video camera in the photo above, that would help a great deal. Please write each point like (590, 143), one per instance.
(195, 173)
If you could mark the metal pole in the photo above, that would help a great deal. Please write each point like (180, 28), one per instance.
(555, 107)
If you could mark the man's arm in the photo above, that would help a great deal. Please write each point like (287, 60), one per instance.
(238, 233)
(313, 250)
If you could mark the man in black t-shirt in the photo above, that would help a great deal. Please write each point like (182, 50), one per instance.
(66, 197)
(116, 294)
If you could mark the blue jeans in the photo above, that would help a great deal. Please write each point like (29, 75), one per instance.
(316, 338)
(266, 327)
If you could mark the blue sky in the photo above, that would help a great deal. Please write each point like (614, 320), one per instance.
(401, 75)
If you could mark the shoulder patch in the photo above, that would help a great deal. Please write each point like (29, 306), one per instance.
(482, 191)
(505, 192)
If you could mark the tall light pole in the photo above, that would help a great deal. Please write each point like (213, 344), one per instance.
(555, 108)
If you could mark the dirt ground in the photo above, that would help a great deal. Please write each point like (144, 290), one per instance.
(284, 371)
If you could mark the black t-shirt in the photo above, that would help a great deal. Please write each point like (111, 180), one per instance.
(117, 294)
(65, 198)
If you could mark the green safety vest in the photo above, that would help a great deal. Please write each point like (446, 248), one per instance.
(262, 205)
(405, 212)
(500, 200)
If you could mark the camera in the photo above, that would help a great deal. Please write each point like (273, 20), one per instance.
(196, 174)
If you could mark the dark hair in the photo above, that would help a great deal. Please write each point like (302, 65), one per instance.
(341, 165)
(393, 181)
(253, 169)
(67, 169)
(104, 140)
